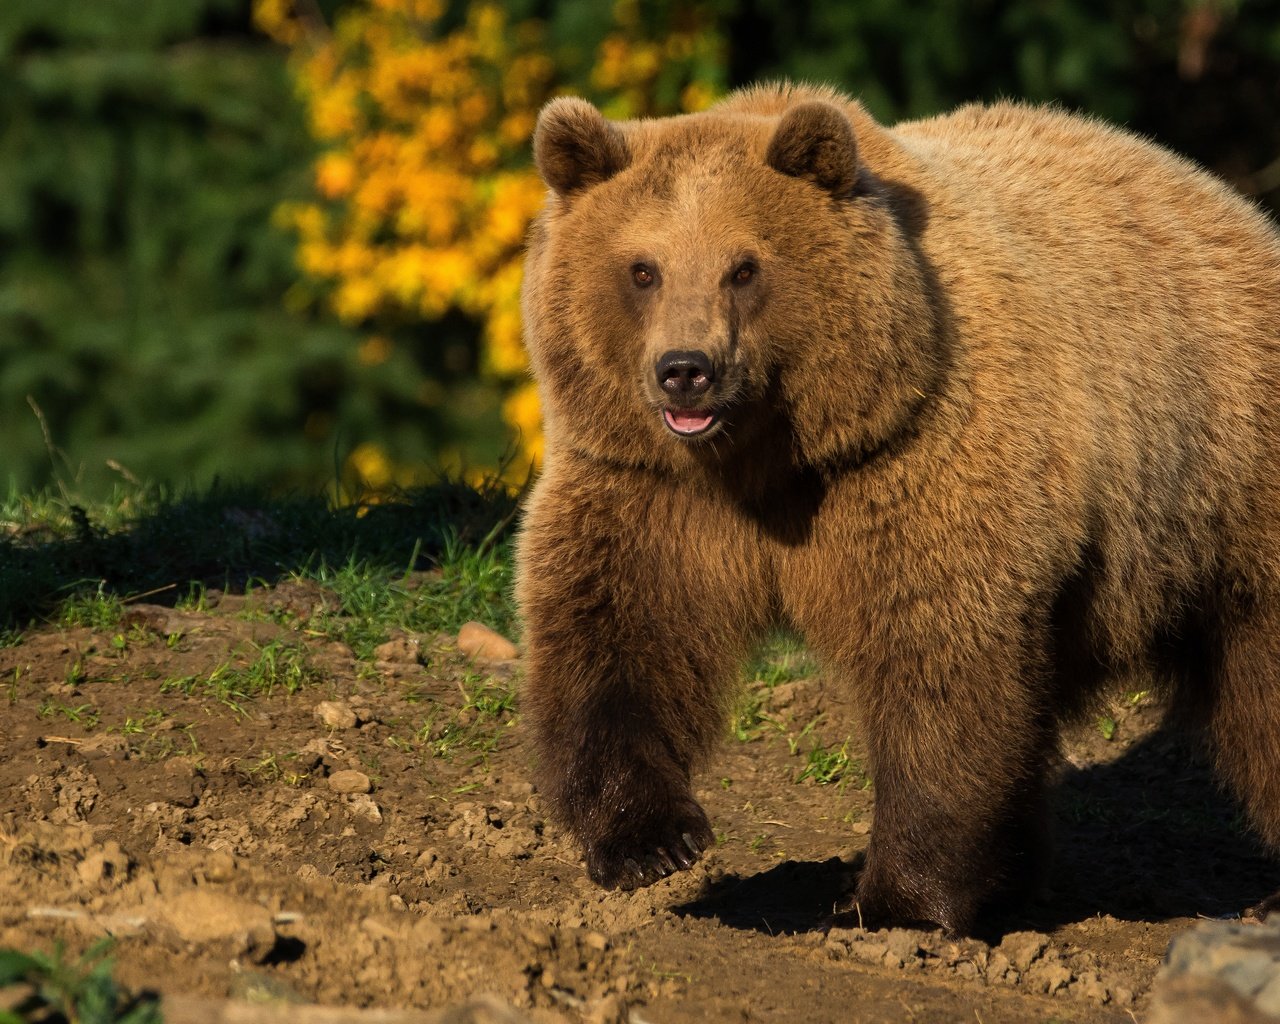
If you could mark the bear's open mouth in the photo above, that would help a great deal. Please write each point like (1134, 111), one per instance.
(689, 422)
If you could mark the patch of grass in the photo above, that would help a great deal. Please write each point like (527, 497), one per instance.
(96, 610)
(57, 553)
(276, 768)
(255, 613)
(276, 666)
(473, 583)
(372, 601)
(826, 765)
(196, 598)
(84, 715)
(477, 727)
(142, 723)
(749, 719)
(782, 658)
(465, 583)
(158, 739)
(80, 991)
(77, 672)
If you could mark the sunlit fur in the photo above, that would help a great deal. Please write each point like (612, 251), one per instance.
(1001, 421)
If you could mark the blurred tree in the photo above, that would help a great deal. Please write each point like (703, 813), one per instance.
(145, 146)
(1201, 76)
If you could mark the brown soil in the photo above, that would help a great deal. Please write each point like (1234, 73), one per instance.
(211, 841)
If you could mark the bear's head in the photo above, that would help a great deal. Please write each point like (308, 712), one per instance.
(736, 281)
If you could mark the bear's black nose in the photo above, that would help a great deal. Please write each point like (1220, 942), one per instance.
(685, 374)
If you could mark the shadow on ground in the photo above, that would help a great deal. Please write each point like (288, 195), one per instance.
(794, 896)
(1152, 836)
(1147, 837)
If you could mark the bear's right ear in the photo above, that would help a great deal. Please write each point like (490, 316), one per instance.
(574, 146)
(815, 141)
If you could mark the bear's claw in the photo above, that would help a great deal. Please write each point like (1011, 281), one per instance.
(646, 856)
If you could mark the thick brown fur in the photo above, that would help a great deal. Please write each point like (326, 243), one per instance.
(998, 406)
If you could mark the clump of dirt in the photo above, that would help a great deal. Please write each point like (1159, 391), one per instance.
(255, 812)
(1031, 960)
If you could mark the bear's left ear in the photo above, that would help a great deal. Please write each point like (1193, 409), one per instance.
(574, 146)
(815, 141)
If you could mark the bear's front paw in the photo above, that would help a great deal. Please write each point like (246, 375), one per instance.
(635, 854)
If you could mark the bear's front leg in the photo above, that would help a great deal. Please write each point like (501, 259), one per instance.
(637, 611)
(958, 759)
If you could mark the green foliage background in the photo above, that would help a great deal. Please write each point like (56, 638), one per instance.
(143, 284)
(145, 291)
(1200, 76)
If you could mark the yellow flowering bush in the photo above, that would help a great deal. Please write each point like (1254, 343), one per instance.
(424, 188)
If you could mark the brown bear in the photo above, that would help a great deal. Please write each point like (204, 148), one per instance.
(985, 406)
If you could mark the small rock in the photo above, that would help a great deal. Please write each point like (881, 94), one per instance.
(902, 945)
(220, 866)
(871, 951)
(108, 866)
(1195, 998)
(404, 650)
(349, 781)
(335, 714)
(1049, 978)
(323, 748)
(784, 695)
(506, 847)
(182, 785)
(480, 643)
(1023, 948)
(595, 940)
(1220, 956)
(361, 806)
(1089, 986)
(204, 915)
(997, 966)
(609, 1010)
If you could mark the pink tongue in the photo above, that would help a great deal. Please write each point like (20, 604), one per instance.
(688, 421)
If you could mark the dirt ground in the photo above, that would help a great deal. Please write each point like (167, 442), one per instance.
(394, 854)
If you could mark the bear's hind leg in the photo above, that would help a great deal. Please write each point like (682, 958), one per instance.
(959, 764)
(1244, 716)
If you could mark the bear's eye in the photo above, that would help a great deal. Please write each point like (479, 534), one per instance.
(642, 275)
(744, 273)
